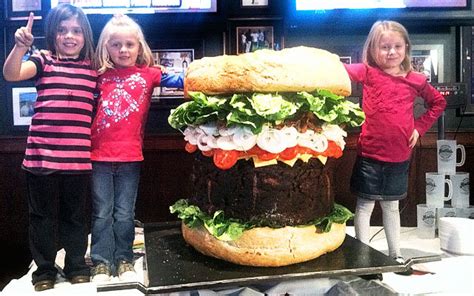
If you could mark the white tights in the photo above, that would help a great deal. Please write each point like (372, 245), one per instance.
(391, 223)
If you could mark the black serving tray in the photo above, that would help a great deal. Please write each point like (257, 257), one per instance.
(171, 265)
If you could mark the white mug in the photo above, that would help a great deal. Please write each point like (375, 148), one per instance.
(460, 198)
(447, 211)
(467, 212)
(435, 189)
(447, 156)
(425, 221)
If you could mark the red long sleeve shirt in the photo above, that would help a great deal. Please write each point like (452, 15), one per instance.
(122, 109)
(388, 103)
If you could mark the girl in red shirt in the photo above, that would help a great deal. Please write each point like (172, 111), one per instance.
(126, 82)
(390, 130)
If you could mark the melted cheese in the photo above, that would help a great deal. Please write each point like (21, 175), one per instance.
(304, 157)
(260, 163)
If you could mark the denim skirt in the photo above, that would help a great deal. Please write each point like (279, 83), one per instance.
(379, 180)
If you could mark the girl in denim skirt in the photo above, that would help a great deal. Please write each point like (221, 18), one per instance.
(390, 130)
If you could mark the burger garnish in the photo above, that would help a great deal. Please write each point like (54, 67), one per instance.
(266, 127)
(229, 229)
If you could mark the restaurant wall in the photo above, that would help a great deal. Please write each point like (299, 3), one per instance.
(167, 166)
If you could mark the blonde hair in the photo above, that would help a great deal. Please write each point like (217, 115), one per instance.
(115, 24)
(373, 40)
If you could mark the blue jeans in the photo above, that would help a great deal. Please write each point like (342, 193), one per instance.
(114, 192)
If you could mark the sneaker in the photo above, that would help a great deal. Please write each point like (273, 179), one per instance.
(80, 279)
(100, 273)
(409, 270)
(44, 285)
(400, 260)
(126, 272)
(375, 277)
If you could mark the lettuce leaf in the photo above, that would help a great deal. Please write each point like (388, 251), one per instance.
(256, 110)
(228, 229)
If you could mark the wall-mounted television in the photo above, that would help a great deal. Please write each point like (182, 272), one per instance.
(141, 6)
(315, 5)
(363, 12)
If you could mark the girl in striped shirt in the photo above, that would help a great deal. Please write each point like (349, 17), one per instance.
(57, 159)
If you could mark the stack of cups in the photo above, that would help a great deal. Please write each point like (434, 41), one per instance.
(447, 191)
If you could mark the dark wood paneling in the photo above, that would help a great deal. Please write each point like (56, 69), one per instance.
(166, 173)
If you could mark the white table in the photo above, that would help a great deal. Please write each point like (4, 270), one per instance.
(451, 275)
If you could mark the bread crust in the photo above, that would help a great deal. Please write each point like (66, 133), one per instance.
(268, 247)
(289, 70)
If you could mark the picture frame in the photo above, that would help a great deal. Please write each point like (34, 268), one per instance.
(349, 55)
(23, 100)
(254, 3)
(346, 59)
(251, 38)
(175, 61)
(428, 59)
(422, 63)
(20, 9)
(468, 61)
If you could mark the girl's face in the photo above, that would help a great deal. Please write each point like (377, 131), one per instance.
(390, 52)
(69, 38)
(123, 48)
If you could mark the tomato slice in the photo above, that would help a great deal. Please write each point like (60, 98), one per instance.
(333, 150)
(288, 153)
(208, 153)
(262, 154)
(255, 150)
(225, 159)
(338, 152)
(190, 147)
(304, 150)
(265, 155)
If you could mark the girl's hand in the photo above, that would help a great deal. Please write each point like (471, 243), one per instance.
(414, 138)
(162, 68)
(23, 36)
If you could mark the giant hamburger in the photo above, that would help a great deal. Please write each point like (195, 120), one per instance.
(265, 128)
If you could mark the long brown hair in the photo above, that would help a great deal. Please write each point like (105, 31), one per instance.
(64, 12)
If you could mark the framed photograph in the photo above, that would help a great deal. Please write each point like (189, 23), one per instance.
(422, 64)
(250, 39)
(468, 66)
(348, 55)
(176, 61)
(23, 100)
(428, 59)
(254, 3)
(20, 9)
(346, 59)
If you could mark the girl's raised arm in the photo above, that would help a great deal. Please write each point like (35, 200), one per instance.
(14, 68)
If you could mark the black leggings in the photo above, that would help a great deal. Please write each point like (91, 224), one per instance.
(57, 219)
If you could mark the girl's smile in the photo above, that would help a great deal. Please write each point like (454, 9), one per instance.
(69, 38)
(123, 48)
(391, 52)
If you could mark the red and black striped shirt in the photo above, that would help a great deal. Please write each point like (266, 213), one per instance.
(60, 130)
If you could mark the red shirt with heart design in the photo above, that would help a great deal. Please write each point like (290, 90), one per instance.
(122, 110)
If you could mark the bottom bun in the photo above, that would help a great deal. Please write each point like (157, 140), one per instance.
(269, 247)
